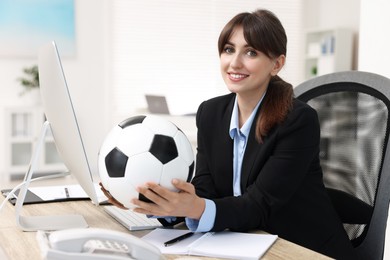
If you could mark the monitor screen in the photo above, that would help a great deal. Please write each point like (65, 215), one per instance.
(59, 111)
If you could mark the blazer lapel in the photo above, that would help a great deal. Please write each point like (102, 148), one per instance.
(251, 153)
(226, 149)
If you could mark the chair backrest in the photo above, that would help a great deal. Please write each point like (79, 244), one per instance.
(353, 109)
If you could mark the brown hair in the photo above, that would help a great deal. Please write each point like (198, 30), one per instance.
(264, 32)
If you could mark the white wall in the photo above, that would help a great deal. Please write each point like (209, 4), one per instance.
(86, 77)
(375, 37)
(331, 13)
(327, 14)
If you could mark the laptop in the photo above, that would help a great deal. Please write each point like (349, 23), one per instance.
(157, 104)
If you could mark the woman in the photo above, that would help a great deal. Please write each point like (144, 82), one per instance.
(258, 163)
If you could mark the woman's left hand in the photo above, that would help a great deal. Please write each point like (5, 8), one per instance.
(184, 203)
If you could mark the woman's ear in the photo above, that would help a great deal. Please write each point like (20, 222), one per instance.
(278, 64)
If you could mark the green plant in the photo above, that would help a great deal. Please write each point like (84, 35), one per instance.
(314, 71)
(30, 80)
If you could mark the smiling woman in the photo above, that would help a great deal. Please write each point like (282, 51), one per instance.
(257, 162)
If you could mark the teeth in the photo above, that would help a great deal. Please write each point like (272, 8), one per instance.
(237, 76)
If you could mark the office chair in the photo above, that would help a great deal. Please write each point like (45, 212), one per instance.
(353, 109)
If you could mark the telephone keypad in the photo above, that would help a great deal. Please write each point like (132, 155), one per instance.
(106, 247)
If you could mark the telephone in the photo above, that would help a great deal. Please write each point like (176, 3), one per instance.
(94, 243)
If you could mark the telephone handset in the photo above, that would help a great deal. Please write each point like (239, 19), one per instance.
(95, 243)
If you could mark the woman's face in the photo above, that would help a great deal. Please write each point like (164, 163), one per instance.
(245, 70)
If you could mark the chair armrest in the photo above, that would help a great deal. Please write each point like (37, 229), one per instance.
(350, 209)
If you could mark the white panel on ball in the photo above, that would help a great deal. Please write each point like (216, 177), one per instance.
(162, 125)
(184, 147)
(134, 140)
(176, 168)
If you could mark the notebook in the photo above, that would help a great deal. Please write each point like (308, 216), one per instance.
(225, 244)
(132, 220)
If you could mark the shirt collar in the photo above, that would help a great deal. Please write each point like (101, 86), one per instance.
(245, 129)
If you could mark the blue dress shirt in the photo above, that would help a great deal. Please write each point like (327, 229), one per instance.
(240, 137)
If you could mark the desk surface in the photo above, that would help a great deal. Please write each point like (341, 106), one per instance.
(17, 244)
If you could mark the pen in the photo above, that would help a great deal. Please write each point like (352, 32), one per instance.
(177, 239)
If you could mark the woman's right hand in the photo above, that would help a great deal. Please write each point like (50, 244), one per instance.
(111, 199)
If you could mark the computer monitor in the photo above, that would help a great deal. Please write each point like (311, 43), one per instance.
(59, 111)
(62, 120)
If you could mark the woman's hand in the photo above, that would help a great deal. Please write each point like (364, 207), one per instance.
(111, 199)
(184, 203)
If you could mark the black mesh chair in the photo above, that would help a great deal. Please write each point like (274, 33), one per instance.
(353, 109)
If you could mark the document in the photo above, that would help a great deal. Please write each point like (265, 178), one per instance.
(58, 193)
(225, 244)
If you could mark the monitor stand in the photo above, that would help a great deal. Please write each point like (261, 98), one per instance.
(34, 223)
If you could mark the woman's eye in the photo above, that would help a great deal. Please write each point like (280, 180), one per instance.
(228, 50)
(251, 53)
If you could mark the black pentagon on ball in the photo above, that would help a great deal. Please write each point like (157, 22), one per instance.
(116, 162)
(190, 171)
(131, 121)
(163, 148)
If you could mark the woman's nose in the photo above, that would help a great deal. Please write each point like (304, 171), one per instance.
(236, 61)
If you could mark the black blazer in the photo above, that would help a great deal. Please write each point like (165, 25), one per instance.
(281, 180)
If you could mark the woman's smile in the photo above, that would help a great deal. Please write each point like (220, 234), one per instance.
(237, 76)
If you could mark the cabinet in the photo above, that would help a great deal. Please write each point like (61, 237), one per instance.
(22, 129)
(328, 51)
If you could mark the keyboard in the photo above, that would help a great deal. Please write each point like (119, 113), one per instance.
(132, 220)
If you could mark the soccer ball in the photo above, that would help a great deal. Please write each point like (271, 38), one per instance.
(142, 149)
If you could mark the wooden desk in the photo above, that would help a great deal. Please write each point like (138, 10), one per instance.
(22, 245)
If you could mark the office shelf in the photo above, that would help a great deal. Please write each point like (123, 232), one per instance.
(22, 128)
(328, 51)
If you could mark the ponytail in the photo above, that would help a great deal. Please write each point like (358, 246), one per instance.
(276, 105)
